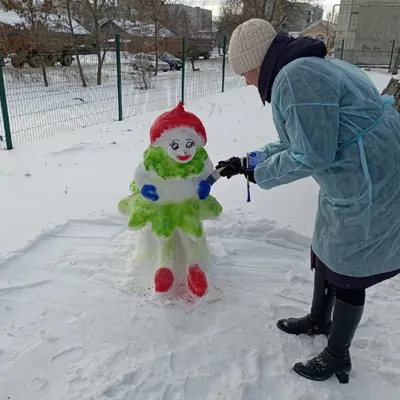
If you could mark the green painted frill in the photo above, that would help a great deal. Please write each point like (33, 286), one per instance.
(165, 218)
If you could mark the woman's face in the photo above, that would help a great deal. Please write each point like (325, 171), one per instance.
(251, 77)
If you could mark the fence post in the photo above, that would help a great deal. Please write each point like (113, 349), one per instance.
(4, 109)
(183, 70)
(223, 64)
(341, 51)
(391, 56)
(119, 80)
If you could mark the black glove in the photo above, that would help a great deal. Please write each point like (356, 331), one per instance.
(235, 166)
(230, 167)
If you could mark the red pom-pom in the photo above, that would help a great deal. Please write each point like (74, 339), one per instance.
(197, 281)
(163, 280)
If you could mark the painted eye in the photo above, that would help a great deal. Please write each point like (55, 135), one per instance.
(174, 145)
(190, 144)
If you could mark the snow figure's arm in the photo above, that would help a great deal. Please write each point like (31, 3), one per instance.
(208, 169)
(146, 181)
(204, 187)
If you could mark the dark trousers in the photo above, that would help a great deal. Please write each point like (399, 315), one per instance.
(355, 297)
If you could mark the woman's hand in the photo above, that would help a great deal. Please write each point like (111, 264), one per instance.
(230, 167)
(236, 166)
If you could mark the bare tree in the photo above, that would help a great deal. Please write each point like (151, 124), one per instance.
(234, 12)
(99, 13)
(127, 8)
(184, 28)
(393, 89)
(230, 16)
(68, 6)
(278, 11)
(155, 12)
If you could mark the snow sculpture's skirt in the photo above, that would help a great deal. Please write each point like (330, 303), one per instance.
(165, 218)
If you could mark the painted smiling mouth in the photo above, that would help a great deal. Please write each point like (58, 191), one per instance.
(184, 158)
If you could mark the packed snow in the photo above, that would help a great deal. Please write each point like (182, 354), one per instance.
(77, 322)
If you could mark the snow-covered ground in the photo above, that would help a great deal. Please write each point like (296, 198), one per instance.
(72, 328)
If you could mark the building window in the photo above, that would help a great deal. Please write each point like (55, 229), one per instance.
(353, 20)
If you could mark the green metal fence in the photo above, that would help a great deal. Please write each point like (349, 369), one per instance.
(32, 110)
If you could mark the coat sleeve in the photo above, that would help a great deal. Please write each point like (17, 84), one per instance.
(310, 109)
(272, 148)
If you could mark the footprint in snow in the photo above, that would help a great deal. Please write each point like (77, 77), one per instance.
(68, 354)
(38, 383)
(122, 385)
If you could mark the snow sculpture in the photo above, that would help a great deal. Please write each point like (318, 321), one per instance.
(170, 199)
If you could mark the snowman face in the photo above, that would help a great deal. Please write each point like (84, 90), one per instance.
(180, 144)
(182, 151)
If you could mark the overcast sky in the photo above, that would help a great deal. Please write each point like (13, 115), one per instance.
(214, 4)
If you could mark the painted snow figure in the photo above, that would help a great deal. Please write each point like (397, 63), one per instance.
(170, 199)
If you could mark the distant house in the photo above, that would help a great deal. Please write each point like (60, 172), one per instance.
(322, 30)
(54, 23)
(137, 29)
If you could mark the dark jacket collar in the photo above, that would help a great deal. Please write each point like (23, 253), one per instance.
(283, 50)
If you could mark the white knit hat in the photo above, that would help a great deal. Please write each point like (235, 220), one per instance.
(249, 44)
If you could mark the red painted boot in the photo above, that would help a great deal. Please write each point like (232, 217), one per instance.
(197, 280)
(163, 280)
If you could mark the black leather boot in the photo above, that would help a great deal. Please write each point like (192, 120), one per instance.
(318, 322)
(335, 359)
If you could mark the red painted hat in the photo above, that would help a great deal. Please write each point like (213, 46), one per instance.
(177, 118)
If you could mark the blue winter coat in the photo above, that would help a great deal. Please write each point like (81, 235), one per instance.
(334, 125)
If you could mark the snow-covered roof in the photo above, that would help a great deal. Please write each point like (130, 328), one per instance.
(9, 18)
(61, 24)
(149, 31)
(55, 23)
(140, 28)
(323, 22)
